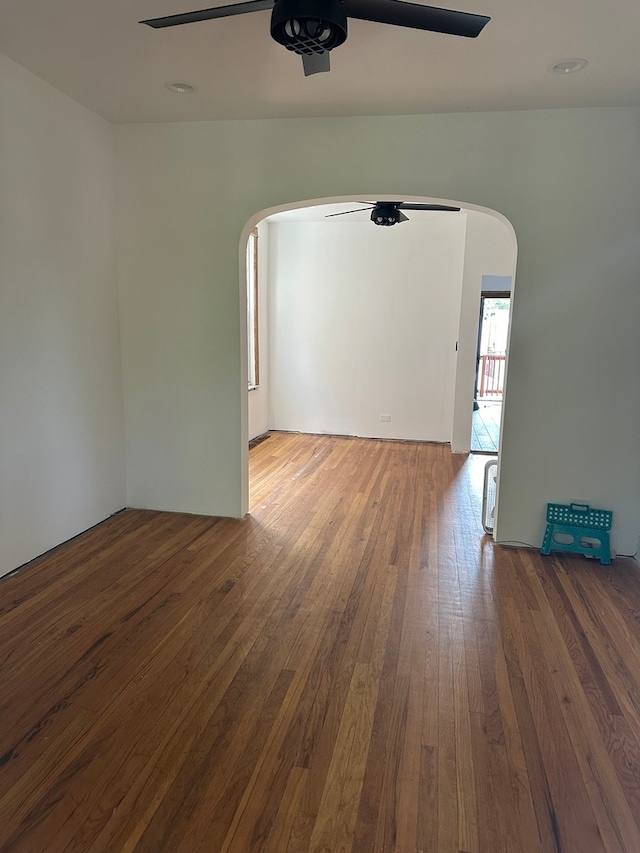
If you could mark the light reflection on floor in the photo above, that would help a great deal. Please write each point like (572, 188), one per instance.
(485, 433)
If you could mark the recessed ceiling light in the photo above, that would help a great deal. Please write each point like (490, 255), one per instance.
(569, 66)
(181, 87)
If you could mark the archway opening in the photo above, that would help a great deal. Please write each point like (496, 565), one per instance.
(483, 242)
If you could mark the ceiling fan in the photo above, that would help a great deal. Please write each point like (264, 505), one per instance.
(390, 212)
(312, 28)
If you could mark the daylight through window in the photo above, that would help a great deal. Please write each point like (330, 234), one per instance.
(252, 309)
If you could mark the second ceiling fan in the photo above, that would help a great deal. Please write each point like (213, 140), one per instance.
(312, 28)
(390, 212)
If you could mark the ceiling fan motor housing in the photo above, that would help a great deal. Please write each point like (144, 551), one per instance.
(309, 26)
(387, 214)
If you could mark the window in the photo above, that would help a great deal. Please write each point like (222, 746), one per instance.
(252, 310)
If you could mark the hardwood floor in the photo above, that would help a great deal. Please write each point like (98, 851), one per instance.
(354, 667)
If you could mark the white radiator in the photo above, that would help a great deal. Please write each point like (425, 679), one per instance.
(489, 495)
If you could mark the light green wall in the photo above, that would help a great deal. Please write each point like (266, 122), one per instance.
(569, 182)
(61, 406)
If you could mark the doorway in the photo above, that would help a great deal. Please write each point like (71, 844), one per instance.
(489, 242)
(493, 332)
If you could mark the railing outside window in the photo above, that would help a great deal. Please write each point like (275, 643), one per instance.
(491, 375)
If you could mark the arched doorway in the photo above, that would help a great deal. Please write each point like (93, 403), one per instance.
(483, 234)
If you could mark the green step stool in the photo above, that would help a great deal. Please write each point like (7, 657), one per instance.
(584, 525)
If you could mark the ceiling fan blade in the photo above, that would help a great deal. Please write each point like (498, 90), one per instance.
(345, 212)
(409, 206)
(403, 14)
(314, 63)
(209, 14)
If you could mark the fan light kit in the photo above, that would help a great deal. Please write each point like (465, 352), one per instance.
(388, 213)
(312, 28)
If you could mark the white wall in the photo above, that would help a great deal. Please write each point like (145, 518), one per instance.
(568, 181)
(364, 322)
(259, 396)
(61, 412)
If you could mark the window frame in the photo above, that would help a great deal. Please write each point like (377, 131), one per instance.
(253, 326)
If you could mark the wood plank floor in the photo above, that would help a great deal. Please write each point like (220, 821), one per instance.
(354, 667)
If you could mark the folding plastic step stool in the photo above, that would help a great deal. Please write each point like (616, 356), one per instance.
(583, 524)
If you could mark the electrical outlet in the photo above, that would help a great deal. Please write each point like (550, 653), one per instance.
(385, 419)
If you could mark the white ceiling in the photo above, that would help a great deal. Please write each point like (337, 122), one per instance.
(97, 52)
